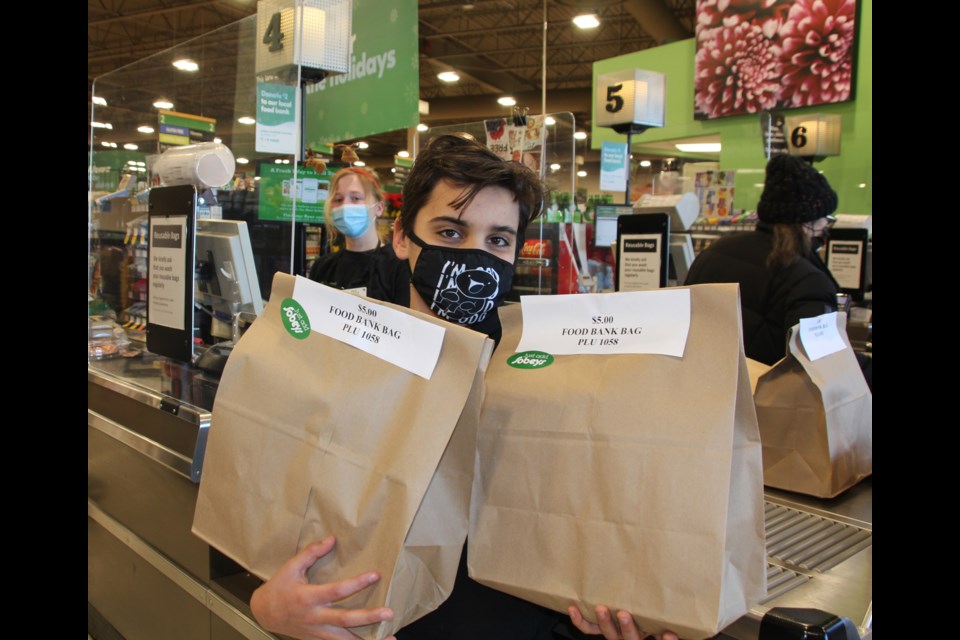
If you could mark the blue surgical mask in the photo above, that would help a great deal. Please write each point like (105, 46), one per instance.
(351, 220)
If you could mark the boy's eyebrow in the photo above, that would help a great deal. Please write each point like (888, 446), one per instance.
(461, 223)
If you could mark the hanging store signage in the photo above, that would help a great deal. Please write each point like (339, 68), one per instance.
(277, 110)
(381, 90)
(182, 128)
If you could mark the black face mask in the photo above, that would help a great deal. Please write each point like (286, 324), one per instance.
(817, 242)
(464, 286)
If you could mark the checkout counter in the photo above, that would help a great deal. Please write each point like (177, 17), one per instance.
(149, 577)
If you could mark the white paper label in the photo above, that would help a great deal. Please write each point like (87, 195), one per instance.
(820, 336)
(168, 282)
(654, 322)
(844, 263)
(398, 338)
(639, 257)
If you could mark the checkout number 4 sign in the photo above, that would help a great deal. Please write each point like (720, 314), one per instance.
(273, 35)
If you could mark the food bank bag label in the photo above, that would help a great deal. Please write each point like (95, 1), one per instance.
(639, 476)
(315, 436)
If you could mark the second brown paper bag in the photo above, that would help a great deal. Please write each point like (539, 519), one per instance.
(632, 481)
(315, 437)
(816, 420)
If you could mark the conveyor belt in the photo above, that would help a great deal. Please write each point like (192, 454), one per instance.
(801, 545)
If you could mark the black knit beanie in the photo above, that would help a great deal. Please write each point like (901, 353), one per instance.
(794, 192)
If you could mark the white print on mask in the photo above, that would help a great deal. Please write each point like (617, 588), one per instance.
(465, 296)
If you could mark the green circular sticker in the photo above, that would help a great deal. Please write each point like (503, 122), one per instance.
(530, 360)
(295, 319)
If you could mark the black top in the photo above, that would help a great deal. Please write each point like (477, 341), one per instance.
(477, 612)
(770, 301)
(385, 276)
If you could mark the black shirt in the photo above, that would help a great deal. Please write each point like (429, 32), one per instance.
(477, 612)
(385, 276)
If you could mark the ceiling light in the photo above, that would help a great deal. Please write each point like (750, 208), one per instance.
(507, 101)
(448, 76)
(285, 161)
(363, 145)
(403, 154)
(242, 160)
(217, 140)
(163, 104)
(587, 21)
(702, 147)
(101, 101)
(101, 125)
(112, 145)
(145, 129)
(862, 185)
(582, 174)
(256, 177)
(422, 127)
(580, 135)
(555, 167)
(549, 120)
(359, 163)
(278, 161)
(645, 163)
(185, 64)
(246, 120)
(130, 146)
(393, 169)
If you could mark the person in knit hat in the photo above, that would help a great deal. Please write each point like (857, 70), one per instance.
(781, 276)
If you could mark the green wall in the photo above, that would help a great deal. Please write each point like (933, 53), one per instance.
(740, 136)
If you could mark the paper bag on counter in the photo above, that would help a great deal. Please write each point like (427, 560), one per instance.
(633, 481)
(312, 437)
(816, 420)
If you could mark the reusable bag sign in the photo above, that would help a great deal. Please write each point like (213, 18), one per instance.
(629, 480)
(816, 420)
(311, 436)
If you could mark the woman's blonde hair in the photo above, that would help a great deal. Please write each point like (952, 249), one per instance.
(371, 188)
(790, 243)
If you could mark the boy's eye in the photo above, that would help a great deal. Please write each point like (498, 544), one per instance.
(449, 233)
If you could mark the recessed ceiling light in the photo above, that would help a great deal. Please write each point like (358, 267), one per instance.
(217, 140)
(285, 161)
(363, 145)
(101, 125)
(359, 163)
(587, 21)
(422, 127)
(185, 64)
(448, 76)
(109, 145)
(256, 177)
(242, 160)
(555, 167)
(862, 185)
(549, 120)
(163, 104)
(701, 147)
(101, 101)
(130, 146)
(393, 169)
(145, 129)
(582, 174)
(246, 120)
(403, 154)
(645, 163)
(580, 135)
(507, 101)
(278, 161)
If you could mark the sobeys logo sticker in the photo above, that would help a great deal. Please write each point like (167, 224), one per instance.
(295, 319)
(530, 360)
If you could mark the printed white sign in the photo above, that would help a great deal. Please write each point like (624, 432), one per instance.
(639, 262)
(398, 338)
(820, 336)
(167, 281)
(655, 322)
(844, 263)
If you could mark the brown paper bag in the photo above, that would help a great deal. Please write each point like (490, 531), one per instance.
(632, 481)
(816, 420)
(315, 437)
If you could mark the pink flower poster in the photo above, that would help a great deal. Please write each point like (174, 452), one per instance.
(758, 55)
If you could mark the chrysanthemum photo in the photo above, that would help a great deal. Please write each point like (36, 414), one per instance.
(757, 55)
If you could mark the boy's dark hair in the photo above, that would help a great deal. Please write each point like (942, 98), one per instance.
(464, 162)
